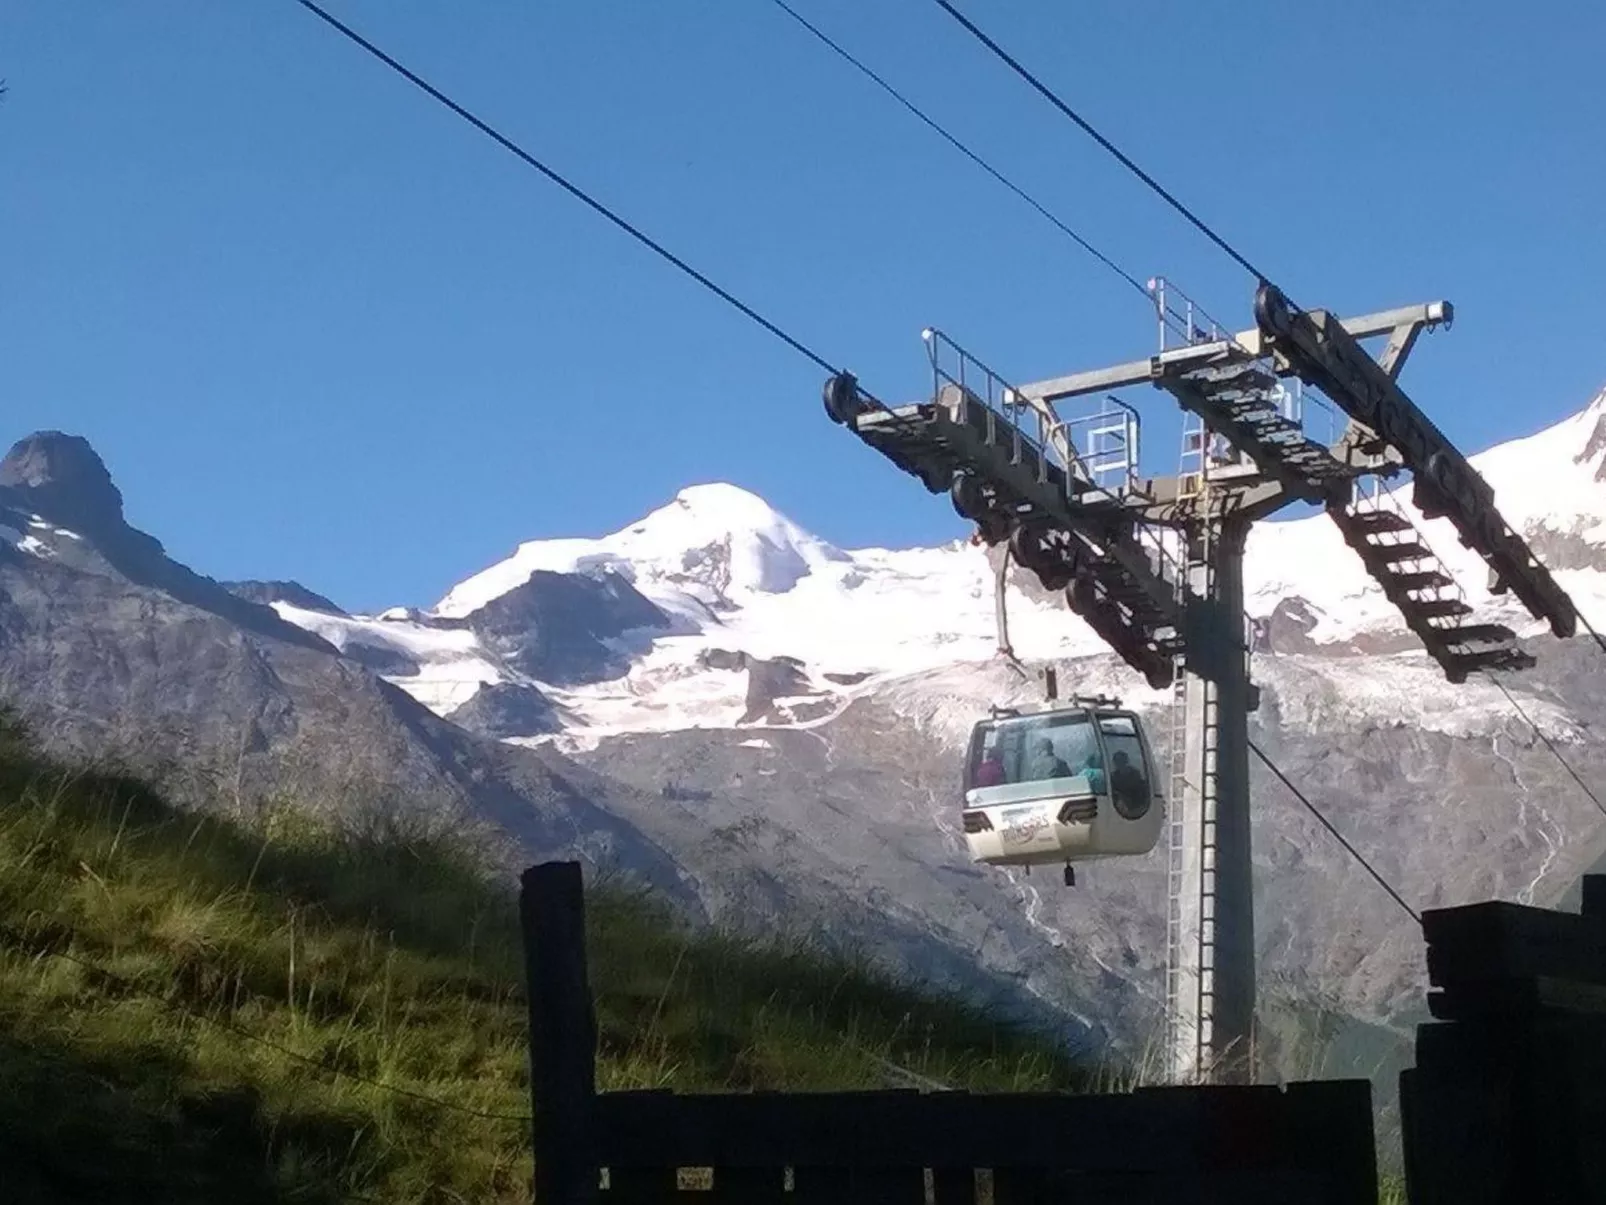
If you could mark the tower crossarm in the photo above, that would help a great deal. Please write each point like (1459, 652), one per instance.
(1115, 576)
(1240, 348)
(1322, 352)
(959, 434)
(1178, 501)
(1007, 476)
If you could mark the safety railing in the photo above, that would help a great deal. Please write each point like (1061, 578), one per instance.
(1183, 322)
(1108, 442)
(1033, 422)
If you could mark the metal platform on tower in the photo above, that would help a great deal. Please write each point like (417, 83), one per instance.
(1155, 565)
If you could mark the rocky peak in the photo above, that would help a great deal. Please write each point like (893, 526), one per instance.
(62, 478)
(559, 627)
(1596, 443)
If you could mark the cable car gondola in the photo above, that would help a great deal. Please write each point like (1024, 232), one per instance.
(1062, 782)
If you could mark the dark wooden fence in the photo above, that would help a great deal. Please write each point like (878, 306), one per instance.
(1309, 1143)
(1507, 1101)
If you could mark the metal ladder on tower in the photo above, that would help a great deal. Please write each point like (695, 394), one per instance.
(1189, 998)
(1190, 480)
(1201, 560)
(1176, 830)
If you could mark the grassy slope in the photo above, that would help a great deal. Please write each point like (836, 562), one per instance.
(380, 954)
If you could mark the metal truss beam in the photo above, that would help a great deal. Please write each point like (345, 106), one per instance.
(1325, 354)
(1403, 324)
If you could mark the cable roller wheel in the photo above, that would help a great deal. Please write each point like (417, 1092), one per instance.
(1026, 543)
(969, 499)
(841, 397)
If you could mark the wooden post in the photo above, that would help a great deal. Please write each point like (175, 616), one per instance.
(1594, 896)
(563, 1033)
(1506, 1102)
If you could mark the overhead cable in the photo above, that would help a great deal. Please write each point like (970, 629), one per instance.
(953, 141)
(1104, 142)
(572, 189)
(1547, 742)
(1588, 627)
(1327, 824)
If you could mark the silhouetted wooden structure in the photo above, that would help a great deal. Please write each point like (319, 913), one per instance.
(1507, 1101)
(1311, 1143)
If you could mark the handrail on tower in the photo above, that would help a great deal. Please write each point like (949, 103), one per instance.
(1183, 321)
(1109, 441)
(956, 369)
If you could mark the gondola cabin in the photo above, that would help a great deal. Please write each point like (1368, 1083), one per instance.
(1066, 782)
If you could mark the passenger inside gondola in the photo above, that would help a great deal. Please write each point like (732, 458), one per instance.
(1129, 790)
(1093, 771)
(1086, 767)
(1044, 762)
(989, 771)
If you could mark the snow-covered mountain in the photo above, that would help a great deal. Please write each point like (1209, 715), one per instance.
(747, 618)
(712, 549)
(738, 588)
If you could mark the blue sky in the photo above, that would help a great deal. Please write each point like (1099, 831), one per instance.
(319, 328)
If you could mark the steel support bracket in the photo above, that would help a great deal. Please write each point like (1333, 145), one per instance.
(1168, 504)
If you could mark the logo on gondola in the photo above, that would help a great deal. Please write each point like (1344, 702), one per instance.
(1023, 825)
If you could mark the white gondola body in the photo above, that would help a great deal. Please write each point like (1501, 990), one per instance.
(1056, 802)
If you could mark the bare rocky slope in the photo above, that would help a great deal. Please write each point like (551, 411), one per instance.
(1446, 818)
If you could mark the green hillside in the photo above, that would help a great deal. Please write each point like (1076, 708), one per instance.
(269, 1008)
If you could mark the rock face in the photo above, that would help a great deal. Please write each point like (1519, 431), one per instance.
(500, 710)
(1448, 815)
(102, 667)
(294, 593)
(62, 481)
(560, 627)
(779, 691)
(110, 648)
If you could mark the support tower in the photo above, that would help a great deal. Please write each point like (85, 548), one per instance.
(1155, 565)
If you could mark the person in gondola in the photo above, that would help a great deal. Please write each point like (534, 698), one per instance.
(1093, 771)
(989, 771)
(1044, 763)
(1128, 789)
